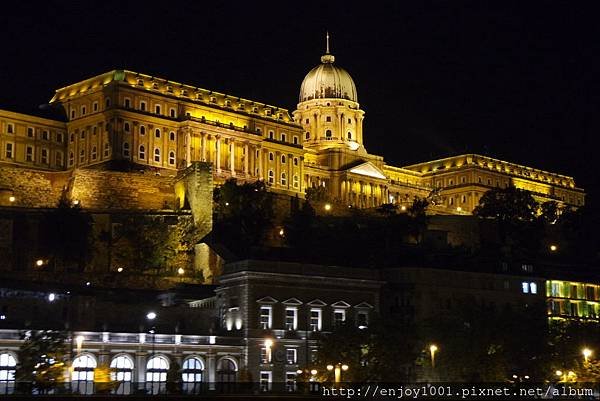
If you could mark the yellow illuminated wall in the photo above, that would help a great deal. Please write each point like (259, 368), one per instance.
(573, 300)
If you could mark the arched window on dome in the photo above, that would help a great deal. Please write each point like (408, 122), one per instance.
(328, 134)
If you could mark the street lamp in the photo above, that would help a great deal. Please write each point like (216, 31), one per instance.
(327, 207)
(553, 248)
(151, 316)
(337, 371)
(268, 345)
(432, 350)
(586, 354)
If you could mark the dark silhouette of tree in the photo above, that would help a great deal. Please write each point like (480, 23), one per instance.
(317, 194)
(42, 357)
(65, 236)
(243, 214)
(507, 205)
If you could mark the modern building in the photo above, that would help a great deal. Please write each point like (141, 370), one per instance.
(163, 124)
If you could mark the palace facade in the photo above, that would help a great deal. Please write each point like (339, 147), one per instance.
(151, 121)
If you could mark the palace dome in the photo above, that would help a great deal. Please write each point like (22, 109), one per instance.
(328, 81)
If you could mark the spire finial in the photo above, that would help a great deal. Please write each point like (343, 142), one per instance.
(327, 58)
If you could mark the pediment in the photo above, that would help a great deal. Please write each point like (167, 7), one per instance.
(367, 169)
(316, 302)
(267, 300)
(292, 301)
(341, 304)
(364, 305)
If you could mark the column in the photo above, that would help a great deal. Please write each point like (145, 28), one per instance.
(246, 158)
(212, 370)
(260, 162)
(203, 146)
(218, 154)
(140, 368)
(188, 148)
(232, 157)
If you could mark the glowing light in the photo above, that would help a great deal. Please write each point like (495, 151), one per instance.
(151, 316)
(313, 372)
(558, 373)
(403, 208)
(299, 371)
(433, 348)
(586, 353)
(51, 297)
(344, 367)
(459, 209)
(329, 367)
(39, 262)
(88, 283)
(76, 202)
(553, 248)
(268, 343)
(327, 207)
(11, 199)
(180, 271)
(79, 341)
(120, 270)
(281, 232)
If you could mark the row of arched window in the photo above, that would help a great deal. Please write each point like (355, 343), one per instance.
(142, 153)
(122, 370)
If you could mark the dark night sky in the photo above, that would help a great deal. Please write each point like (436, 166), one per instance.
(513, 81)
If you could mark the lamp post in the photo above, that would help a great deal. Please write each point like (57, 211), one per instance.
(268, 346)
(586, 354)
(151, 316)
(337, 371)
(432, 350)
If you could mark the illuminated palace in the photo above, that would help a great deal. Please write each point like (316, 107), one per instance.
(125, 115)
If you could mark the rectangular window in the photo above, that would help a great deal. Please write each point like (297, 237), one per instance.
(525, 287)
(264, 355)
(172, 113)
(339, 316)
(291, 356)
(59, 137)
(315, 320)
(45, 135)
(10, 128)
(295, 140)
(157, 109)
(127, 103)
(266, 318)
(9, 151)
(291, 318)
(271, 135)
(362, 319)
(143, 106)
(555, 290)
(29, 154)
(265, 381)
(30, 132)
(290, 382)
(95, 106)
(283, 137)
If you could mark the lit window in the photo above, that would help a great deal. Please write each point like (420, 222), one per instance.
(525, 287)
(122, 371)
(362, 319)
(296, 181)
(265, 355)
(339, 316)
(290, 382)
(83, 371)
(29, 154)
(283, 179)
(266, 318)
(142, 152)
(271, 177)
(192, 370)
(172, 158)
(291, 318)
(291, 356)
(9, 151)
(156, 374)
(265, 381)
(8, 366)
(533, 288)
(157, 155)
(315, 320)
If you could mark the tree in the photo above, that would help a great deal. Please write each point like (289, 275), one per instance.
(508, 204)
(66, 235)
(174, 384)
(243, 214)
(42, 359)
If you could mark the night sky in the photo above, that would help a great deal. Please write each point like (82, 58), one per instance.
(513, 81)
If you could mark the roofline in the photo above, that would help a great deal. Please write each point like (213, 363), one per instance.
(28, 117)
